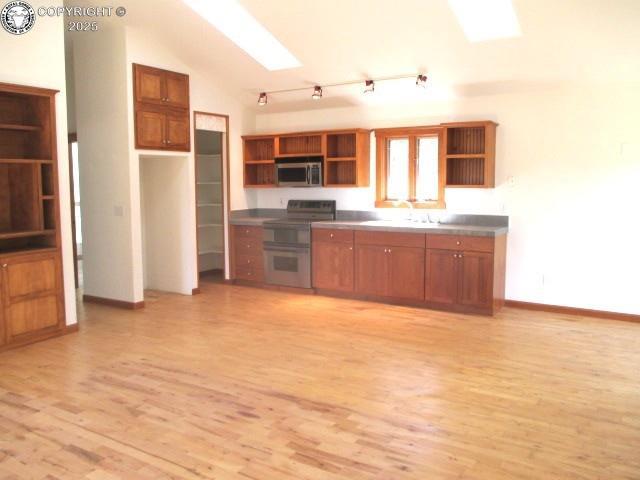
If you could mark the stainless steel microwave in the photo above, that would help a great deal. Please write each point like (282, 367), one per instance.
(299, 171)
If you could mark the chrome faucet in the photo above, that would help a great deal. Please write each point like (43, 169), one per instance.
(411, 217)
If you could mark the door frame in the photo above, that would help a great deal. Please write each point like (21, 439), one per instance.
(73, 138)
(226, 198)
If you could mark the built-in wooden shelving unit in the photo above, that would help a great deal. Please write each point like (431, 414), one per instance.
(470, 154)
(345, 154)
(32, 300)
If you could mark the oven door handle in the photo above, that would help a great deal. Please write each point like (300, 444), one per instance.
(290, 249)
(308, 175)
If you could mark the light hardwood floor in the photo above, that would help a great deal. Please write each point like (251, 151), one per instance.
(241, 383)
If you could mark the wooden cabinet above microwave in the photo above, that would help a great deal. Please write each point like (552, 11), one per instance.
(161, 104)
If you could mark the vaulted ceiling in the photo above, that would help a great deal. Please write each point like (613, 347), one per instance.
(341, 40)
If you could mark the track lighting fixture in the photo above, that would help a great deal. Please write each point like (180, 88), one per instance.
(369, 86)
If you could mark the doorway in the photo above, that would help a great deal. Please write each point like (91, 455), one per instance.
(211, 150)
(76, 213)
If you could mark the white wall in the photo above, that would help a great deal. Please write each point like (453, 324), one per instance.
(105, 171)
(164, 185)
(37, 59)
(574, 156)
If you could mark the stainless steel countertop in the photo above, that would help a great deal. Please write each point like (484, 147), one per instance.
(404, 226)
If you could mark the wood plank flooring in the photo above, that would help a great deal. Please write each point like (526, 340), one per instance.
(242, 383)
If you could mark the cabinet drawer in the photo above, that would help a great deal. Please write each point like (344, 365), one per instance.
(253, 261)
(248, 246)
(332, 235)
(460, 242)
(250, 273)
(241, 231)
(31, 277)
(32, 316)
(389, 239)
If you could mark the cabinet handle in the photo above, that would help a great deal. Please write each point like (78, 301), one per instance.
(331, 235)
(168, 141)
(457, 242)
(350, 248)
(4, 265)
(455, 255)
(246, 231)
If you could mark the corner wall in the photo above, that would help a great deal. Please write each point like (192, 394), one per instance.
(567, 174)
(37, 59)
(105, 171)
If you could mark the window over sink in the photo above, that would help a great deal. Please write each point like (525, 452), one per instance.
(410, 167)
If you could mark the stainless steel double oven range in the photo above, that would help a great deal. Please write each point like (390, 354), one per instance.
(287, 242)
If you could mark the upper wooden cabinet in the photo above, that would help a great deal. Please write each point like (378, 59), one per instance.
(470, 154)
(345, 152)
(161, 105)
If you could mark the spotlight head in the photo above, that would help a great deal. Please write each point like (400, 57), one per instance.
(369, 86)
(262, 99)
(317, 92)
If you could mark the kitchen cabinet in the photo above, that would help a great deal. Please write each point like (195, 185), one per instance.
(32, 297)
(162, 131)
(161, 87)
(333, 260)
(390, 264)
(465, 273)
(247, 253)
(161, 104)
(372, 270)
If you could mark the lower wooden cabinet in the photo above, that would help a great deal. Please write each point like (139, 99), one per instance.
(460, 273)
(32, 296)
(372, 270)
(441, 278)
(468, 280)
(247, 253)
(390, 265)
(332, 266)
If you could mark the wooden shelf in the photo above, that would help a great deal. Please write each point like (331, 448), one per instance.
(209, 205)
(467, 155)
(346, 154)
(470, 154)
(341, 159)
(208, 252)
(20, 128)
(259, 162)
(25, 160)
(33, 233)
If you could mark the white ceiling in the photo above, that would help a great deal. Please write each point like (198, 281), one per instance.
(342, 40)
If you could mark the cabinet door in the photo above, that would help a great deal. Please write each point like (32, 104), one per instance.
(176, 90)
(333, 266)
(177, 134)
(476, 279)
(406, 277)
(32, 296)
(372, 270)
(150, 129)
(149, 84)
(441, 276)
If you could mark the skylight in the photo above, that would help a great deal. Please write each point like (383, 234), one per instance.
(486, 19)
(234, 21)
